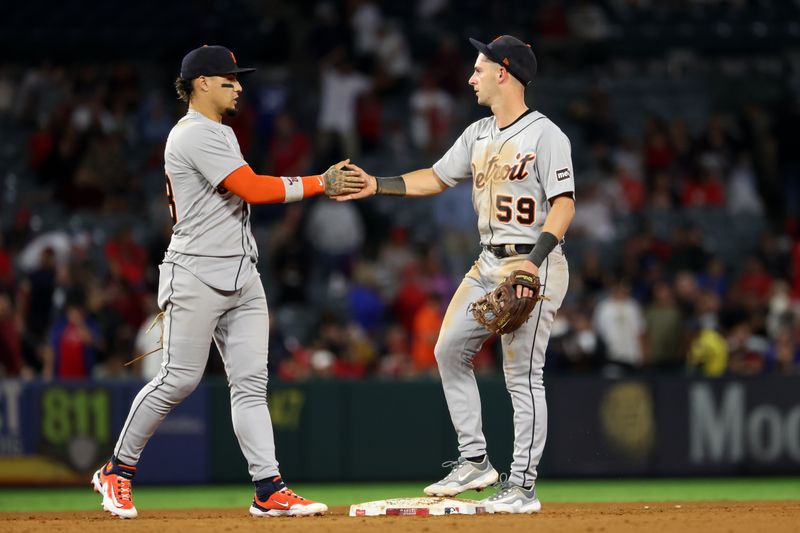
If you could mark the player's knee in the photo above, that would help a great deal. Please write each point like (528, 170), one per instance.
(524, 383)
(181, 388)
(252, 375)
(446, 352)
(253, 384)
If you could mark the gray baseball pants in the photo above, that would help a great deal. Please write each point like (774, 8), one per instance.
(238, 322)
(523, 360)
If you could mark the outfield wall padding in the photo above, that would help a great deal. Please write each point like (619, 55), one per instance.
(400, 430)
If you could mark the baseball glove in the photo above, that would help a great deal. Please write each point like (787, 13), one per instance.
(500, 311)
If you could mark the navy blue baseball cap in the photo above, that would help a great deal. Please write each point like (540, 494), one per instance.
(515, 56)
(210, 61)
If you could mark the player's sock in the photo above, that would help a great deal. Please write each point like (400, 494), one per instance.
(120, 469)
(478, 459)
(265, 487)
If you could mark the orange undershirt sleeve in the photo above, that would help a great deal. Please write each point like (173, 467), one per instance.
(257, 189)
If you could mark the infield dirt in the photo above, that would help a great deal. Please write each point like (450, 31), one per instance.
(677, 517)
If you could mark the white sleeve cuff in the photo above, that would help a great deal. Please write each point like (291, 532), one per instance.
(294, 188)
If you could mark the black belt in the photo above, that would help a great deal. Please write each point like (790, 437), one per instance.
(507, 250)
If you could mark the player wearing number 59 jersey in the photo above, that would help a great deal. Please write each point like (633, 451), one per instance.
(523, 191)
(515, 170)
(209, 288)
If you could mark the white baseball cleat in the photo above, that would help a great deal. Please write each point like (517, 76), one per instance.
(464, 475)
(511, 498)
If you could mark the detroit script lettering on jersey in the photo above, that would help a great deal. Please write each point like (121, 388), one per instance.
(499, 172)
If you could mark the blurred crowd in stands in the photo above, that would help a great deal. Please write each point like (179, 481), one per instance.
(684, 252)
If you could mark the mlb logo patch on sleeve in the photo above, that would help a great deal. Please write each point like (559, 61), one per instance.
(562, 174)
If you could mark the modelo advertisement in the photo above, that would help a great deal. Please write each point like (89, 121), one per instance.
(673, 427)
(749, 426)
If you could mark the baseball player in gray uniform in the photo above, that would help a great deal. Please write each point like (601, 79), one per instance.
(523, 189)
(209, 287)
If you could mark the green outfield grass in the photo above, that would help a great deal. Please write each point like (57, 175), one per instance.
(622, 490)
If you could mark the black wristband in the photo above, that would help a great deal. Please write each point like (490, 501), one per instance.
(393, 186)
(544, 245)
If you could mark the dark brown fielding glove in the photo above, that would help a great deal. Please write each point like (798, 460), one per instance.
(500, 311)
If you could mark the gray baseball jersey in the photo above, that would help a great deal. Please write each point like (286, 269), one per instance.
(211, 236)
(514, 172)
(209, 289)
